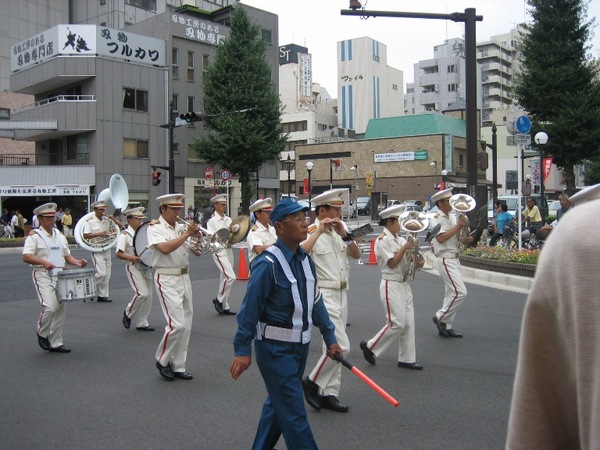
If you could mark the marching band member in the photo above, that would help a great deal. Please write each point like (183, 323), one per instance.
(395, 293)
(445, 247)
(46, 249)
(262, 234)
(173, 285)
(224, 258)
(139, 279)
(97, 227)
(330, 245)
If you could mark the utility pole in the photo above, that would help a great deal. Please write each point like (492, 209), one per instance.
(170, 127)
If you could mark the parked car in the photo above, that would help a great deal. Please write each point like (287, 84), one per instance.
(363, 206)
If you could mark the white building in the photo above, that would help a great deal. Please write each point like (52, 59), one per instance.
(367, 87)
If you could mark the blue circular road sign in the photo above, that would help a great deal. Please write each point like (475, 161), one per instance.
(523, 124)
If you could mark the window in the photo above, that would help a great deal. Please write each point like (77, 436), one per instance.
(294, 126)
(453, 87)
(135, 99)
(452, 68)
(174, 102)
(102, 2)
(135, 148)
(190, 104)
(76, 148)
(190, 66)
(144, 4)
(267, 36)
(175, 63)
(395, 87)
(205, 62)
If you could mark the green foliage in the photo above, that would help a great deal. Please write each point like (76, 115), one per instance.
(592, 174)
(240, 78)
(501, 254)
(557, 85)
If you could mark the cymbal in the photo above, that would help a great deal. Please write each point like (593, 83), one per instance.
(244, 226)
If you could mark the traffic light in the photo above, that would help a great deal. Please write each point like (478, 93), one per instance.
(192, 117)
(482, 160)
(156, 178)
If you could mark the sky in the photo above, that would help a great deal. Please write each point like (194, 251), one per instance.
(318, 25)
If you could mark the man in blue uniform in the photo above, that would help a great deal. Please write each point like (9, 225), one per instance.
(280, 307)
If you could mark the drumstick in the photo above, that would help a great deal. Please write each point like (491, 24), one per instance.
(367, 380)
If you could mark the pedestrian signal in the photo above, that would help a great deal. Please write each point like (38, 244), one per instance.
(156, 178)
(192, 117)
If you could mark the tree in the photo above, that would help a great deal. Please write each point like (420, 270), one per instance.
(557, 84)
(240, 79)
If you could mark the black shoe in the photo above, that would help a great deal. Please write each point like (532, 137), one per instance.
(43, 342)
(218, 306)
(60, 349)
(183, 375)
(165, 371)
(413, 366)
(126, 320)
(311, 393)
(228, 312)
(367, 353)
(440, 326)
(452, 333)
(331, 402)
(104, 299)
(146, 328)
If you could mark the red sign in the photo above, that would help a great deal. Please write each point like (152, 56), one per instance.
(546, 168)
(208, 173)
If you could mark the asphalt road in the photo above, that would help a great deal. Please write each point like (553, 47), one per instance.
(107, 394)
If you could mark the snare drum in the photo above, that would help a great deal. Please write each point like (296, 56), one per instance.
(75, 284)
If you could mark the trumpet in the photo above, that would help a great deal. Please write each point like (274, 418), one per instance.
(413, 222)
(203, 241)
(462, 203)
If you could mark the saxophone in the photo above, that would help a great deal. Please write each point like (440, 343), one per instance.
(413, 222)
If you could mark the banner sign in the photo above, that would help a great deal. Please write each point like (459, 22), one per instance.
(547, 168)
(43, 190)
(417, 155)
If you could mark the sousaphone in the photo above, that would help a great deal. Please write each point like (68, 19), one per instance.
(116, 195)
(244, 223)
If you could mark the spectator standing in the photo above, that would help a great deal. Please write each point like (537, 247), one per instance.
(67, 223)
(59, 215)
(18, 224)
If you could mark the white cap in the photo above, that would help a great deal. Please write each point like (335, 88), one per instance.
(446, 193)
(135, 212)
(264, 203)
(170, 200)
(220, 198)
(47, 209)
(99, 204)
(392, 211)
(332, 197)
(585, 195)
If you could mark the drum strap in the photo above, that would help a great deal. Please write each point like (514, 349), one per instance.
(54, 249)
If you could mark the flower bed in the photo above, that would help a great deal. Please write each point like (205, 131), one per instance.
(497, 259)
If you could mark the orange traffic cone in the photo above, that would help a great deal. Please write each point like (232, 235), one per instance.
(242, 266)
(372, 257)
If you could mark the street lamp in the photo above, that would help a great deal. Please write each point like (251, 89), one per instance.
(354, 168)
(541, 139)
(309, 167)
(288, 165)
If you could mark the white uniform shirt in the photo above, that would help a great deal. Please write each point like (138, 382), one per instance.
(125, 241)
(160, 231)
(216, 222)
(260, 235)
(35, 245)
(95, 225)
(386, 246)
(330, 254)
(449, 246)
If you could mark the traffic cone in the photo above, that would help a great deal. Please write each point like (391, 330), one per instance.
(372, 258)
(242, 266)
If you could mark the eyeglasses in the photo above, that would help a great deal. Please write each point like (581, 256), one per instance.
(298, 219)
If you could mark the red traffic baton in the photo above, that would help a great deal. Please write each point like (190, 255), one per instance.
(367, 380)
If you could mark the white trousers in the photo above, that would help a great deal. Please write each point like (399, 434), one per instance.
(141, 283)
(52, 318)
(328, 373)
(175, 297)
(224, 261)
(455, 290)
(397, 300)
(102, 265)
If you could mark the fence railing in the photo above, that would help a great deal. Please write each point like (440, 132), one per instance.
(31, 159)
